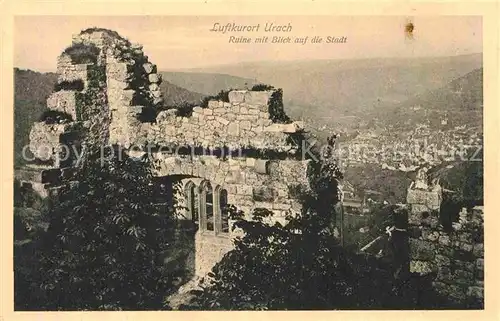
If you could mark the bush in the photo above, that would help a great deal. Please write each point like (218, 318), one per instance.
(262, 87)
(82, 53)
(69, 85)
(50, 116)
(223, 95)
(185, 109)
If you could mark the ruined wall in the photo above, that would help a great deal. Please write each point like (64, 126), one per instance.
(250, 184)
(247, 186)
(454, 257)
(120, 103)
(243, 122)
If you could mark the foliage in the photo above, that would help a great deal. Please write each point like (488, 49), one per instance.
(223, 95)
(276, 109)
(262, 87)
(82, 53)
(93, 105)
(104, 242)
(50, 116)
(392, 185)
(185, 109)
(69, 85)
(289, 267)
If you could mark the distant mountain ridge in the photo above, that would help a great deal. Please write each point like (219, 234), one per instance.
(459, 102)
(336, 88)
(207, 83)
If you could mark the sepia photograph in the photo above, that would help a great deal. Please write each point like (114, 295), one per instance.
(236, 162)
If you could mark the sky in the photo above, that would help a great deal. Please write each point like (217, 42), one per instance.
(183, 42)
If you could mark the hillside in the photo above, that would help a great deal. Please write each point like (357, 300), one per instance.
(32, 88)
(206, 83)
(175, 95)
(349, 87)
(461, 101)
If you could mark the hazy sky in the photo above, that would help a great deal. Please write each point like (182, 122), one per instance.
(174, 42)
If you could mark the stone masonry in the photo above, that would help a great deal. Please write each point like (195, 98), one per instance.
(455, 257)
(231, 146)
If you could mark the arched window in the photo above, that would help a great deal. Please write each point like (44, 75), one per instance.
(192, 203)
(209, 207)
(223, 210)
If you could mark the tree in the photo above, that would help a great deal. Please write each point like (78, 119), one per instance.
(104, 240)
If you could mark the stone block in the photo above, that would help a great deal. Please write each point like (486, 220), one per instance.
(282, 206)
(63, 101)
(260, 98)
(149, 68)
(463, 277)
(117, 84)
(422, 250)
(253, 111)
(154, 78)
(45, 139)
(233, 129)
(464, 265)
(222, 121)
(475, 292)
(264, 194)
(478, 250)
(442, 260)
(430, 235)
(244, 190)
(421, 267)
(274, 128)
(118, 71)
(245, 125)
(212, 104)
(250, 162)
(153, 87)
(237, 96)
(125, 97)
(465, 246)
(444, 240)
(480, 264)
(452, 291)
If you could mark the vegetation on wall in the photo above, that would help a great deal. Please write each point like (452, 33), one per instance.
(82, 53)
(223, 95)
(50, 116)
(262, 87)
(77, 85)
(94, 104)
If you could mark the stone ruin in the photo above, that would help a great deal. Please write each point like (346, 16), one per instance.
(253, 162)
(454, 257)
